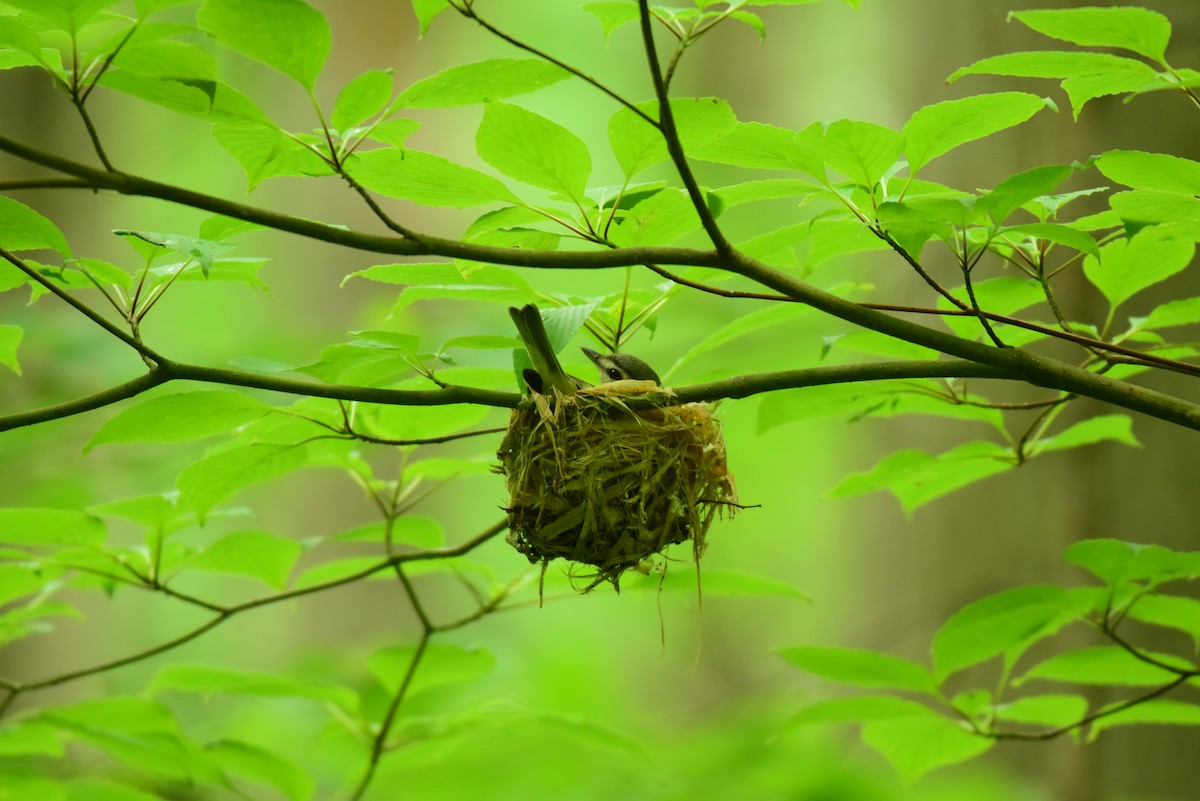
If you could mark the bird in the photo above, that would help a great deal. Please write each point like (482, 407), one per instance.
(547, 372)
(621, 367)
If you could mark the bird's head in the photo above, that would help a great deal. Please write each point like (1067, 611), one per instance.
(621, 366)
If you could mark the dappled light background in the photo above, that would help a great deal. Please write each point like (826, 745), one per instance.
(678, 700)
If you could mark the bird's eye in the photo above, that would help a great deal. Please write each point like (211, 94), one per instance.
(613, 373)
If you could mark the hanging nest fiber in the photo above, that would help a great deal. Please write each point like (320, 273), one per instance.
(597, 483)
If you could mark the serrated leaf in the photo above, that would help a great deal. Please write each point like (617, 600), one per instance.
(441, 664)
(288, 35)
(182, 417)
(1155, 171)
(1109, 665)
(1127, 266)
(22, 228)
(255, 554)
(1005, 623)
(34, 526)
(532, 149)
(941, 127)
(918, 744)
(425, 179)
(480, 82)
(1140, 30)
(209, 679)
(766, 147)
(218, 477)
(861, 668)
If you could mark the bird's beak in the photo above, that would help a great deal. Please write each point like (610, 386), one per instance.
(593, 355)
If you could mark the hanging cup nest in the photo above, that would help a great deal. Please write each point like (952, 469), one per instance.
(597, 483)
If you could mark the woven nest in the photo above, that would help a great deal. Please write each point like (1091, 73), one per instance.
(599, 484)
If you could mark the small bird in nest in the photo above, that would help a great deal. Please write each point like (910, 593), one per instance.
(548, 373)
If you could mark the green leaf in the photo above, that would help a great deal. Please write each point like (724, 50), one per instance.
(1155, 171)
(208, 680)
(426, 10)
(1106, 665)
(441, 664)
(918, 744)
(766, 147)
(661, 219)
(265, 151)
(1003, 295)
(218, 477)
(415, 530)
(66, 15)
(856, 709)
(637, 145)
(1116, 561)
(1140, 30)
(256, 554)
(425, 179)
(612, 14)
(1142, 207)
(22, 228)
(288, 35)
(1085, 76)
(1056, 233)
(1118, 427)
(862, 151)
(361, 99)
(263, 766)
(1171, 611)
(1017, 190)
(1127, 266)
(1044, 710)
(481, 82)
(532, 149)
(1155, 712)
(916, 477)
(1005, 623)
(10, 338)
(182, 417)
(202, 250)
(29, 737)
(765, 189)
(941, 127)
(32, 526)
(861, 668)
(1174, 312)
